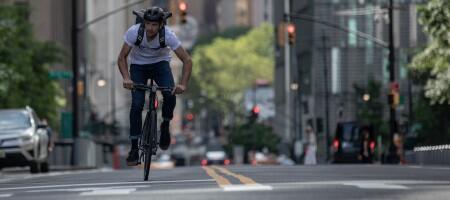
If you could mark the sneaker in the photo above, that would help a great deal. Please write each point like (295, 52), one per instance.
(133, 157)
(165, 136)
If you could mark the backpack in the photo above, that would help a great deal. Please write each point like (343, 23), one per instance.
(140, 20)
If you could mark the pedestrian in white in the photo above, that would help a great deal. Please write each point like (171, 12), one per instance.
(310, 157)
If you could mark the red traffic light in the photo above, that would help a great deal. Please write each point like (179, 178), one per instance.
(395, 86)
(189, 116)
(290, 28)
(256, 109)
(182, 6)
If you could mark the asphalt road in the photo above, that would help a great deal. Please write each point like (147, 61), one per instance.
(235, 182)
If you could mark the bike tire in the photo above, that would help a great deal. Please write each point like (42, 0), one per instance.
(149, 127)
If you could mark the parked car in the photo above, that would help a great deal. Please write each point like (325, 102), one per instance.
(163, 162)
(23, 140)
(262, 158)
(347, 141)
(215, 155)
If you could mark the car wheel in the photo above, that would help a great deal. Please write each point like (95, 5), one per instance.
(35, 167)
(44, 167)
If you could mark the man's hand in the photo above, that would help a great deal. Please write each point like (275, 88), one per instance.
(128, 84)
(179, 89)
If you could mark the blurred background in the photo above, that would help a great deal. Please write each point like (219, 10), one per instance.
(273, 82)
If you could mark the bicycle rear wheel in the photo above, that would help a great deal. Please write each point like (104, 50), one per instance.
(150, 129)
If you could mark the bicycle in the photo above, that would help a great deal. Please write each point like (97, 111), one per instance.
(148, 143)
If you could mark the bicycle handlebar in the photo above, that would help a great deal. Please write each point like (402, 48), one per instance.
(152, 88)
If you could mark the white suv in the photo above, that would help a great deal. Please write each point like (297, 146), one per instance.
(23, 140)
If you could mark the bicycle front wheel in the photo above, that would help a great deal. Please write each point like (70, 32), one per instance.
(149, 129)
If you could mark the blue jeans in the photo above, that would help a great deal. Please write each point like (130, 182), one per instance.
(161, 73)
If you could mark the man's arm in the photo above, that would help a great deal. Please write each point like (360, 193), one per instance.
(187, 69)
(123, 66)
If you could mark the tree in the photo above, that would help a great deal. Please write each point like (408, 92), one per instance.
(432, 122)
(369, 108)
(224, 68)
(253, 136)
(433, 62)
(24, 65)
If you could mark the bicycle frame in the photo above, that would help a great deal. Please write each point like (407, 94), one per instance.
(148, 144)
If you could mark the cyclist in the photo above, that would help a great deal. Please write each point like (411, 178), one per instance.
(151, 60)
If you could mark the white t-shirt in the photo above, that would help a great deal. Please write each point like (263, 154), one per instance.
(150, 52)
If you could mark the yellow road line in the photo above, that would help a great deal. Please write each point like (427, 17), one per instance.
(245, 180)
(220, 180)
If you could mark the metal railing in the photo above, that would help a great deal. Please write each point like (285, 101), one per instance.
(430, 155)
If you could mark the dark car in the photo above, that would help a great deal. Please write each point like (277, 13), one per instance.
(347, 143)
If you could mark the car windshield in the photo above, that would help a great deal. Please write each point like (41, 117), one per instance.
(214, 148)
(350, 132)
(14, 120)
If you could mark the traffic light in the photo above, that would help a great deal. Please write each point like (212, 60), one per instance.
(254, 113)
(183, 12)
(394, 95)
(189, 117)
(290, 28)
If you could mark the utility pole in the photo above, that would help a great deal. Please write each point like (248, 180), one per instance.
(325, 73)
(287, 73)
(74, 79)
(392, 113)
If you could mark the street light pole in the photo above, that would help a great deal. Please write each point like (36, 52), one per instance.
(392, 111)
(75, 77)
(287, 73)
(325, 73)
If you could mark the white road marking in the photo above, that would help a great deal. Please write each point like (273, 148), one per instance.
(369, 185)
(13, 177)
(108, 192)
(84, 189)
(5, 195)
(363, 184)
(238, 188)
(428, 167)
(105, 184)
(180, 191)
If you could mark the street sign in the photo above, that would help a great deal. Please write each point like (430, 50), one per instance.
(56, 75)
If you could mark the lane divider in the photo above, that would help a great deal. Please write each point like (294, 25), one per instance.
(248, 184)
(220, 180)
(243, 179)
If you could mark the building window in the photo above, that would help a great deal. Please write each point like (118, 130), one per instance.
(335, 70)
(385, 66)
(352, 39)
(369, 43)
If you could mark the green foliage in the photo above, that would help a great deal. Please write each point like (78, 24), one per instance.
(253, 136)
(433, 62)
(224, 68)
(230, 33)
(371, 112)
(24, 65)
(433, 122)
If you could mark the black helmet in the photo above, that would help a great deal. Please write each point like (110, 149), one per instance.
(154, 14)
